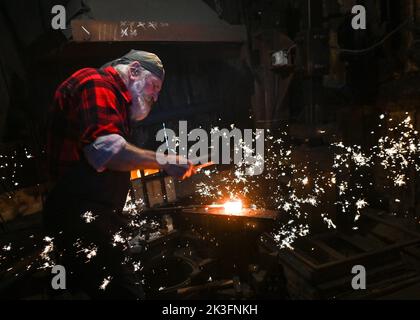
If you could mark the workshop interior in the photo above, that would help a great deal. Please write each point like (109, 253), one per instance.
(329, 88)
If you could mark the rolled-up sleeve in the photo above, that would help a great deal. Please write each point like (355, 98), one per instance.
(103, 149)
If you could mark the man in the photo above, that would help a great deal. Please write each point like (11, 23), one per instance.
(90, 160)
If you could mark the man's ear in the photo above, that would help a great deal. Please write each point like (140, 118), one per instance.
(134, 70)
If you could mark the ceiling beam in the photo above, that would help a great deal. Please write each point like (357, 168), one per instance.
(151, 31)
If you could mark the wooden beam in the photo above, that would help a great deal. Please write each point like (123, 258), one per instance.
(152, 31)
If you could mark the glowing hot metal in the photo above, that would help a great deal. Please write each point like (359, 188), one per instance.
(233, 207)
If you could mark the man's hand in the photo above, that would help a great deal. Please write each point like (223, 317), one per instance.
(128, 157)
(178, 170)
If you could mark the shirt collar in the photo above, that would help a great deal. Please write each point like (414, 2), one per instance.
(123, 88)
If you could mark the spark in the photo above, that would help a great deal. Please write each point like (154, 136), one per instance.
(117, 238)
(328, 221)
(395, 153)
(286, 237)
(45, 254)
(137, 266)
(89, 251)
(361, 203)
(88, 217)
(105, 283)
(400, 180)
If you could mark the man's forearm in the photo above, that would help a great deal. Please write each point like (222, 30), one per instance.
(132, 158)
(113, 152)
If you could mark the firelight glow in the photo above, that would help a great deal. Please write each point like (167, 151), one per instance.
(233, 207)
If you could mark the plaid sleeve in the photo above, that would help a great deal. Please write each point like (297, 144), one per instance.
(100, 112)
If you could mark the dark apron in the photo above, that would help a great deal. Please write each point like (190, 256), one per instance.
(103, 194)
(84, 183)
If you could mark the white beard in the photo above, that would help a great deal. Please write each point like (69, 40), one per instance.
(141, 106)
(140, 109)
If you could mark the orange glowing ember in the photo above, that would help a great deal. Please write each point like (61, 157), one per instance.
(233, 207)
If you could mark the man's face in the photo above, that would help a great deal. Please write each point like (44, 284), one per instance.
(144, 92)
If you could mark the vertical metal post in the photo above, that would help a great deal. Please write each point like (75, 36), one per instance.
(163, 188)
(145, 194)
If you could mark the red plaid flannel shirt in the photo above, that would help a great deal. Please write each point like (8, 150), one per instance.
(89, 104)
